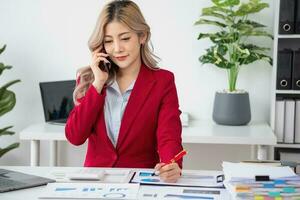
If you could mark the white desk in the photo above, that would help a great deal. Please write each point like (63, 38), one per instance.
(203, 132)
(58, 172)
(43, 131)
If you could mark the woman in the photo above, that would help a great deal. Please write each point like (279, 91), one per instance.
(129, 110)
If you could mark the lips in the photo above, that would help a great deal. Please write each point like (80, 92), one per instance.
(121, 58)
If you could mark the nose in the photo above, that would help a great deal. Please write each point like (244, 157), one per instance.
(117, 47)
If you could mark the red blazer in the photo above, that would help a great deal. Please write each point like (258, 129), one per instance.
(150, 130)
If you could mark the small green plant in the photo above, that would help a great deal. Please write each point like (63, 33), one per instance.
(230, 49)
(7, 103)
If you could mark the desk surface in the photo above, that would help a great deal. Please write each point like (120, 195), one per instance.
(58, 172)
(198, 132)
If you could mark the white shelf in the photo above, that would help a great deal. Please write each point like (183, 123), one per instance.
(287, 91)
(289, 36)
(288, 145)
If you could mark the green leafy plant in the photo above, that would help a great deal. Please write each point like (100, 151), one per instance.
(7, 103)
(231, 48)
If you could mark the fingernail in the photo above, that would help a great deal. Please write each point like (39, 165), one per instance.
(156, 173)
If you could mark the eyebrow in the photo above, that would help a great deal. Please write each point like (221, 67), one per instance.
(118, 35)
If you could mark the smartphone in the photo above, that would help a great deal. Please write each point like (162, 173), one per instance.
(103, 65)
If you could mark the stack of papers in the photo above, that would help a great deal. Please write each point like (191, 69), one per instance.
(240, 180)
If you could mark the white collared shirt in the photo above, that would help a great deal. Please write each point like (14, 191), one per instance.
(114, 107)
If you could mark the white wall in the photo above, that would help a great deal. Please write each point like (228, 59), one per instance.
(47, 41)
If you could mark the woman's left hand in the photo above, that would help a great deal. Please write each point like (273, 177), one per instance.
(168, 172)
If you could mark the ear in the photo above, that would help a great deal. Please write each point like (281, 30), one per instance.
(143, 37)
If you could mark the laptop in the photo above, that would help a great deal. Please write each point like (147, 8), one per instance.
(57, 100)
(12, 180)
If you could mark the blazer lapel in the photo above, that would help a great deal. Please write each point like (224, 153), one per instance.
(142, 87)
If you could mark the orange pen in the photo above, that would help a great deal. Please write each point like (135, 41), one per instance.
(176, 158)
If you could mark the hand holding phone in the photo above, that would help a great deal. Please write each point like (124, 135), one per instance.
(105, 65)
(100, 70)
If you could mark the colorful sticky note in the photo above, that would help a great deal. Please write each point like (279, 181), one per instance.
(269, 185)
(258, 197)
(242, 188)
(274, 194)
(288, 190)
(278, 198)
(268, 198)
(276, 182)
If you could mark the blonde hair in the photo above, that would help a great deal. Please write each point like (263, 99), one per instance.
(128, 13)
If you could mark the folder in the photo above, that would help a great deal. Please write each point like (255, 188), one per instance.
(297, 17)
(296, 70)
(287, 17)
(284, 69)
(289, 121)
(279, 119)
(297, 122)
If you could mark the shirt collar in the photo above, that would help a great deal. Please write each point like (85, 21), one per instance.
(115, 86)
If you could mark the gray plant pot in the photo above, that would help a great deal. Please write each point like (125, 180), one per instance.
(232, 109)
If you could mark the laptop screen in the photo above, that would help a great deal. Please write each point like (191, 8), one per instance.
(57, 100)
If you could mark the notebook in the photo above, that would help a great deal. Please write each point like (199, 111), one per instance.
(12, 180)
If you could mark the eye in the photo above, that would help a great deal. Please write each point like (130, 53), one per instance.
(108, 41)
(125, 39)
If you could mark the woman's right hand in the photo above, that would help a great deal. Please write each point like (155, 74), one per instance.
(99, 75)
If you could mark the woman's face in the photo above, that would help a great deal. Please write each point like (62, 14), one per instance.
(122, 45)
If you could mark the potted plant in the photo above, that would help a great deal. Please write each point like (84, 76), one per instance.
(231, 50)
(7, 103)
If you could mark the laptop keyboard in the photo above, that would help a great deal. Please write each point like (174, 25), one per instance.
(6, 183)
(12, 180)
